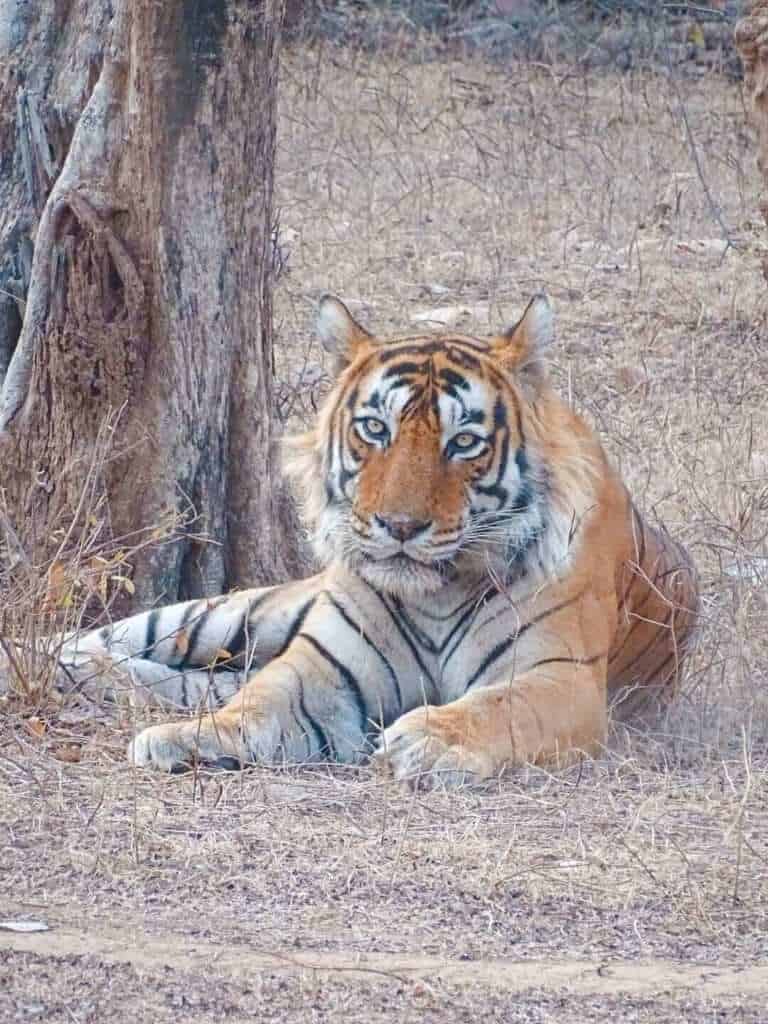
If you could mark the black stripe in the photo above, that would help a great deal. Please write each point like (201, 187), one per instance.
(467, 341)
(361, 633)
(346, 675)
(651, 643)
(463, 358)
(422, 638)
(296, 625)
(650, 590)
(466, 621)
(303, 731)
(494, 655)
(638, 621)
(466, 346)
(496, 490)
(677, 655)
(640, 527)
(414, 404)
(453, 379)
(333, 445)
(184, 690)
(151, 635)
(236, 645)
(411, 646)
(188, 659)
(189, 613)
(677, 567)
(486, 590)
(564, 661)
(406, 368)
(634, 613)
(214, 687)
(500, 413)
(323, 741)
(504, 645)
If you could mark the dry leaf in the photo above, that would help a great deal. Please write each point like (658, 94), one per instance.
(126, 584)
(57, 586)
(696, 36)
(182, 642)
(222, 654)
(68, 752)
(35, 727)
(715, 248)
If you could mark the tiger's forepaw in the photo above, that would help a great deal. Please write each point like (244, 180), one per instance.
(422, 751)
(176, 746)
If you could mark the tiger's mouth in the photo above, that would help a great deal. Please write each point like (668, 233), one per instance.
(402, 574)
(402, 557)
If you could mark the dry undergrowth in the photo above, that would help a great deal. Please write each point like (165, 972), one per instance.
(466, 186)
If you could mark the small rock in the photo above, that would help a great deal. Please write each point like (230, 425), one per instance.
(24, 926)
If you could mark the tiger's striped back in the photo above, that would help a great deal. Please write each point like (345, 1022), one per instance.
(658, 604)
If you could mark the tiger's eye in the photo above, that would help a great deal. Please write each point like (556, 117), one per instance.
(465, 440)
(374, 427)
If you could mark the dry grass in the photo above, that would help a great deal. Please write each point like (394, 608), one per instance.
(405, 187)
(65, 574)
(632, 201)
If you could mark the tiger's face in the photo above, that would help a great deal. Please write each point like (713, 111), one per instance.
(423, 454)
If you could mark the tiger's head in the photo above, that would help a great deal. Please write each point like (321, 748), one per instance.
(421, 466)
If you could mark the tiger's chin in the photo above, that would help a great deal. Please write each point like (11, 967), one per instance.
(402, 576)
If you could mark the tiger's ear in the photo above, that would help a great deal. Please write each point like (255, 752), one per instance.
(339, 332)
(521, 349)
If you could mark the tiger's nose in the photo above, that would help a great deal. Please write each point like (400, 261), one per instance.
(402, 528)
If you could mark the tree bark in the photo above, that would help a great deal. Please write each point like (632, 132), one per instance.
(752, 43)
(136, 159)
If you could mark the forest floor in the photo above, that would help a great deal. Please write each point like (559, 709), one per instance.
(634, 887)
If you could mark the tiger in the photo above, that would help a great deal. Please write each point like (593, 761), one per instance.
(488, 588)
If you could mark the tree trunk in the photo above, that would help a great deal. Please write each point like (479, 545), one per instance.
(136, 159)
(752, 42)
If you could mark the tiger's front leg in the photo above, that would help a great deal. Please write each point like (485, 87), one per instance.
(551, 714)
(302, 706)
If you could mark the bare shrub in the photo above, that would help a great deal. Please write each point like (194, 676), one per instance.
(86, 582)
(618, 34)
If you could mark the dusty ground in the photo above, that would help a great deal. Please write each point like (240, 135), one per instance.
(634, 888)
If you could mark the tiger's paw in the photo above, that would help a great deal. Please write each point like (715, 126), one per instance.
(177, 746)
(422, 750)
